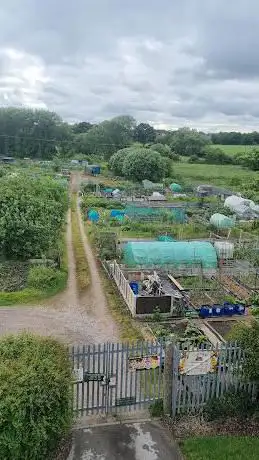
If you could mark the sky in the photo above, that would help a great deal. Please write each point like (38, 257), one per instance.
(171, 63)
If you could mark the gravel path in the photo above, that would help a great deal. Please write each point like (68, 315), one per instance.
(74, 320)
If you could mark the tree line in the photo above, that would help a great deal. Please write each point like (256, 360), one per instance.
(40, 134)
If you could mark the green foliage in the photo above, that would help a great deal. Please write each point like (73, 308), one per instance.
(156, 409)
(23, 129)
(142, 164)
(35, 403)
(43, 278)
(189, 142)
(250, 159)
(156, 315)
(95, 202)
(247, 336)
(216, 156)
(31, 215)
(144, 133)
(106, 244)
(230, 404)
(117, 161)
(163, 149)
(107, 137)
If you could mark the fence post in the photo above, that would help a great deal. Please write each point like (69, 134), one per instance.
(168, 378)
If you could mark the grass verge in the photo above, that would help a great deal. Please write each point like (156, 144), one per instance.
(128, 331)
(82, 267)
(224, 448)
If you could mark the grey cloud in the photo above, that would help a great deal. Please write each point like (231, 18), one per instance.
(168, 63)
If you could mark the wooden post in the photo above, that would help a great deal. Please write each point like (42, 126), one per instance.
(168, 378)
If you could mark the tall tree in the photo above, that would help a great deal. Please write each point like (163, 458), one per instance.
(189, 142)
(144, 133)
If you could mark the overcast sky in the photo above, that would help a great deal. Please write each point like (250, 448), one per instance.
(171, 63)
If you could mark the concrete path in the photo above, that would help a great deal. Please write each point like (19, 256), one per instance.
(135, 441)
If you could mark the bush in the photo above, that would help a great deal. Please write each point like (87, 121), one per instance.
(42, 278)
(36, 395)
(231, 404)
(157, 409)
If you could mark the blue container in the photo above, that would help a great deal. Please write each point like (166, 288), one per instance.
(239, 309)
(217, 310)
(134, 287)
(206, 311)
(229, 309)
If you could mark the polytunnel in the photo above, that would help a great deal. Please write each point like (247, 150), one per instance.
(175, 253)
(221, 221)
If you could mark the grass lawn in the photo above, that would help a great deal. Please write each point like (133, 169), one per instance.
(233, 149)
(221, 448)
(212, 174)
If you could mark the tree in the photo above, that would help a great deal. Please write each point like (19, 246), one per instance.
(144, 133)
(189, 142)
(32, 213)
(163, 149)
(249, 159)
(82, 127)
(117, 160)
(142, 163)
(216, 156)
(32, 133)
(107, 137)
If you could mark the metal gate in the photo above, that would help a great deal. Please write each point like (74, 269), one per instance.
(113, 377)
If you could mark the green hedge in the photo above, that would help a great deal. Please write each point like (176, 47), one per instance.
(35, 396)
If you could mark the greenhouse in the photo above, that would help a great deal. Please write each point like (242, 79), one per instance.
(220, 221)
(175, 253)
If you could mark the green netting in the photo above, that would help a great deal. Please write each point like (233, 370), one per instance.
(175, 253)
(142, 212)
(221, 221)
(165, 238)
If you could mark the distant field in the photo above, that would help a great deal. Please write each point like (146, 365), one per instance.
(233, 149)
(212, 174)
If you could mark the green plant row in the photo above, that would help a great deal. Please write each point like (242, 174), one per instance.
(82, 268)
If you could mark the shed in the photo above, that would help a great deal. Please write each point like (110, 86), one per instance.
(175, 253)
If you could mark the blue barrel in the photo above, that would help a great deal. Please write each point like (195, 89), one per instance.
(134, 287)
(205, 311)
(229, 309)
(239, 309)
(217, 310)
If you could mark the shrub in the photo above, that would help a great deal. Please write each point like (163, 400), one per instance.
(231, 404)
(42, 278)
(35, 403)
(157, 409)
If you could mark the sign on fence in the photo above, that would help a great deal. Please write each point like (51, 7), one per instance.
(144, 363)
(198, 362)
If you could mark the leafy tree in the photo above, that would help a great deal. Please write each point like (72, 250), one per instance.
(117, 160)
(142, 163)
(189, 142)
(144, 133)
(82, 127)
(31, 215)
(107, 137)
(163, 149)
(32, 133)
(216, 156)
(249, 159)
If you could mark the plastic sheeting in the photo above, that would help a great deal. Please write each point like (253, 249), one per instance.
(175, 187)
(221, 221)
(175, 253)
(238, 205)
(93, 215)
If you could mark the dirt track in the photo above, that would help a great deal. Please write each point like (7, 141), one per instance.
(75, 320)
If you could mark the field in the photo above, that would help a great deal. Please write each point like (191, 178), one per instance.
(222, 175)
(233, 149)
(224, 448)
